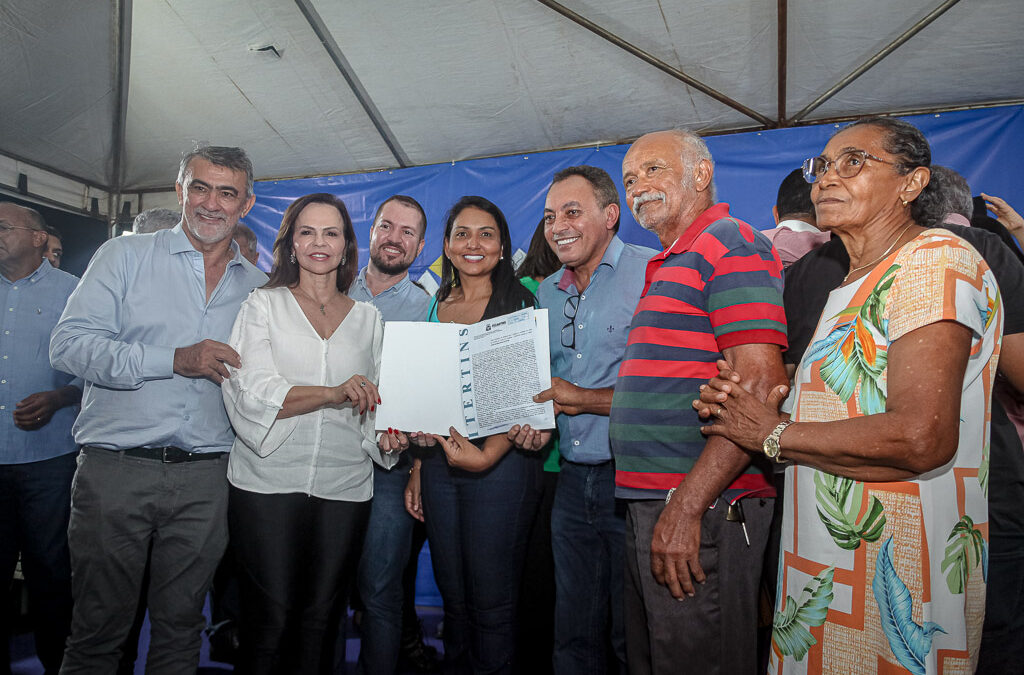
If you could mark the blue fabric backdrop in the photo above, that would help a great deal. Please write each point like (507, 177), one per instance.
(983, 145)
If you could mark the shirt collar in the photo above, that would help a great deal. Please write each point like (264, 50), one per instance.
(178, 242)
(699, 224)
(397, 288)
(44, 268)
(798, 226)
(610, 258)
(956, 219)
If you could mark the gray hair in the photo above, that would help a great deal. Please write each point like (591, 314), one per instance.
(953, 192)
(700, 151)
(229, 157)
(154, 220)
(242, 230)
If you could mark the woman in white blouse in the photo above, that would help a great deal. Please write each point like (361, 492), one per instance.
(302, 407)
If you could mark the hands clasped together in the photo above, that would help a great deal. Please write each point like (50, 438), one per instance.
(735, 413)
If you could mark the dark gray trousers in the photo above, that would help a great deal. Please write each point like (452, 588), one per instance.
(714, 632)
(120, 506)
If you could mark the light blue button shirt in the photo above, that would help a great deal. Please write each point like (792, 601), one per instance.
(405, 301)
(604, 314)
(30, 309)
(142, 297)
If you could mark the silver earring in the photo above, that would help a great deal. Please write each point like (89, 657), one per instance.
(292, 256)
(342, 261)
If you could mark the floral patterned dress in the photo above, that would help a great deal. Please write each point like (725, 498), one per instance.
(889, 577)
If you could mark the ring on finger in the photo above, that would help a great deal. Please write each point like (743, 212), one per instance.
(363, 383)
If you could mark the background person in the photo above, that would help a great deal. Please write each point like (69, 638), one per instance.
(37, 452)
(154, 220)
(54, 246)
(880, 431)
(300, 467)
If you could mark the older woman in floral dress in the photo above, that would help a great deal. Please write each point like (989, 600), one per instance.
(885, 530)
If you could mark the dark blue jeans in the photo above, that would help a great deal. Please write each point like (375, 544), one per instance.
(35, 505)
(478, 526)
(385, 553)
(588, 538)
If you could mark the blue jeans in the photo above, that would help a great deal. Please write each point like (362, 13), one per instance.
(385, 554)
(478, 526)
(588, 538)
(35, 504)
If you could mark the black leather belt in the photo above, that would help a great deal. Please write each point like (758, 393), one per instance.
(167, 454)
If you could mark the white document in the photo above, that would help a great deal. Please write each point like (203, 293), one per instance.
(478, 378)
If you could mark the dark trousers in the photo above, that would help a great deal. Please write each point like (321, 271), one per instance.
(293, 551)
(386, 551)
(535, 618)
(35, 505)
(714, 632)
(588, 538)
(478, 526)
(120, 507)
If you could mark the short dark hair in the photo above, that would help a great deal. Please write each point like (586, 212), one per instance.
(407, 201)
(507, 294)
(603, 185)
(906, 142)
(540, 260)
(54, 232)
(954, 194)
(794, 196)
(286, 271)
(222, 155)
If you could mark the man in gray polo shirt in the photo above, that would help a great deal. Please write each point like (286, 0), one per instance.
(396, 238)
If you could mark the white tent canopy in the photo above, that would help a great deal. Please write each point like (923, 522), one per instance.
(100, 99)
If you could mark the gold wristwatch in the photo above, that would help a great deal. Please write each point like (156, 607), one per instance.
(771, 447)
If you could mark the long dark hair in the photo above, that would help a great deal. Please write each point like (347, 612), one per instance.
(540, 260)
(507, 294)
(286, 270)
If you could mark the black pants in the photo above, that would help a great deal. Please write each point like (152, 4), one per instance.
(35, 504)
(293, 552)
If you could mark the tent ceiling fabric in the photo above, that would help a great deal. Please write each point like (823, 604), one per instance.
(455, 79)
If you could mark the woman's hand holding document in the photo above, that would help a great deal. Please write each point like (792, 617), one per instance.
(484, 374)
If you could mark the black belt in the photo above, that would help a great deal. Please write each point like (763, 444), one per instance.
(167, 454)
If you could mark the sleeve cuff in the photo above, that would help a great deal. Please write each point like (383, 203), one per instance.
(157, 362)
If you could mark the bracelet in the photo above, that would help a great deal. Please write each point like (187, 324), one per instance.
(671, 491)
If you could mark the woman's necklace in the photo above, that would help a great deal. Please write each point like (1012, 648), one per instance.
(887, 252)
(323, 305)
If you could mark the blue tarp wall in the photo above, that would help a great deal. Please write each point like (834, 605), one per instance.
(986, 146)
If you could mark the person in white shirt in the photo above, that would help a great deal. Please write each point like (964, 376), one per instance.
(302, 406)
(796, 231)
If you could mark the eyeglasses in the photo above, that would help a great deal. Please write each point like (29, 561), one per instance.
(847, 165)
(572, 305)
(5, 228)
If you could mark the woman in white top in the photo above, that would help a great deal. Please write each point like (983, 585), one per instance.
(302, 407)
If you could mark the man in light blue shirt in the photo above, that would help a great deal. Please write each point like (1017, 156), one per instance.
(146, 329)
(396, 239)
(590, 304)
(37, 454)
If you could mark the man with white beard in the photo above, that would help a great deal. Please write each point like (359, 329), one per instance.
(698, 510)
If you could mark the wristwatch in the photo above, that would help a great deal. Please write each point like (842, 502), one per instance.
(770, 447)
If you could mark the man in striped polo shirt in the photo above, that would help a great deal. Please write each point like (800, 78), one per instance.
(693, 559)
